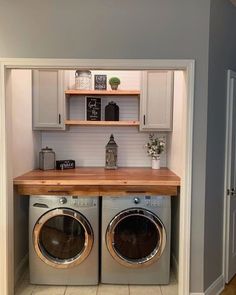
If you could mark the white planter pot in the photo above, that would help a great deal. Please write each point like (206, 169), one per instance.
(156, 163)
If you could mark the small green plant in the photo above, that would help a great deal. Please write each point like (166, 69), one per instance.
(114, 81)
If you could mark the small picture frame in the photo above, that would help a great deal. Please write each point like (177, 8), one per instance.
(100, 82)
(93, 108)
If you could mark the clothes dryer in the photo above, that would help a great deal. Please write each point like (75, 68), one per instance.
(136, 240)
(63, 240)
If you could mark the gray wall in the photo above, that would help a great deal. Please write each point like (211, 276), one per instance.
(222, 56)
(155, 29)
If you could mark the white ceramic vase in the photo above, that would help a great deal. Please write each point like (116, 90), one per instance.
(156, 163)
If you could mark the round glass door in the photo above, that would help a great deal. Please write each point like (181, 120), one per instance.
(62, 238)
(136, 238)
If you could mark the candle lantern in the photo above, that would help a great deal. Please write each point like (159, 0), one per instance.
(111, 153)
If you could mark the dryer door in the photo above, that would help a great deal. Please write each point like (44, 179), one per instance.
(136, 238)
(63, 238)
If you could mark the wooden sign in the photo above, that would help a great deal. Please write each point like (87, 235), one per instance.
(100, 82)
(93, 108)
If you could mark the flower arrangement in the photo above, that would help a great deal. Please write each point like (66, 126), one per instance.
(155, 146)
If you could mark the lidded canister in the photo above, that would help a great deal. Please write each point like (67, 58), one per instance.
(83, 80)
(47, 159)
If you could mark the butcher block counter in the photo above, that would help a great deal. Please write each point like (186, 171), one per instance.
(99, 182)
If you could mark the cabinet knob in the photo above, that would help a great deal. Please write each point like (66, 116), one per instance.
(144, 119)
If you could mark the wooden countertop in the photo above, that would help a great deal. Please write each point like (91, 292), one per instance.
(98, 180)
(99, 176)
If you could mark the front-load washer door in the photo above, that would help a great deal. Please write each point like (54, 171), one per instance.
(136, 238)
(63, 238)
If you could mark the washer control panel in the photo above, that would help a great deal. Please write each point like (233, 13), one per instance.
(82, 202)
(45, 202)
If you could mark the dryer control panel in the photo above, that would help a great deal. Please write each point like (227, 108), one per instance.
(154, 201)
(149, 201)
(135, 201)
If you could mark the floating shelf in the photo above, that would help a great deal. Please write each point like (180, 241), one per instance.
(102, 123)
(103, 92)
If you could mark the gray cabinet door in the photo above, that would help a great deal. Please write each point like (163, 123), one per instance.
(48, 99)
(156, 100)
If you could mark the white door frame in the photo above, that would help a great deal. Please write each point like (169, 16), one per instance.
(228, 138)
(105, 64)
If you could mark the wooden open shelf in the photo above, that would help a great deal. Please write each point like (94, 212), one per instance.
(101, 123)
(103, 92)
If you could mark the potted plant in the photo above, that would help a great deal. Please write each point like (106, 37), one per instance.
(114, 82)
(155, 146)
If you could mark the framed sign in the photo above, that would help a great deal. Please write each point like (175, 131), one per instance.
(100, 82)
(93, 108)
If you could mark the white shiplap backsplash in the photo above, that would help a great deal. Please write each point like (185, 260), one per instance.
(128, 107)
(86, 145)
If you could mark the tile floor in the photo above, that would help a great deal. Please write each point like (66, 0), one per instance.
(24, 288)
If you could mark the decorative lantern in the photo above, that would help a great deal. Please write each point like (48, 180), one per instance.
(111, 153)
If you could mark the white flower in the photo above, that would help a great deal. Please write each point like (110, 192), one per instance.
(155, 146)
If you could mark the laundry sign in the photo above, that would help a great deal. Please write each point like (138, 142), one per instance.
(100, 82)
(93, 108)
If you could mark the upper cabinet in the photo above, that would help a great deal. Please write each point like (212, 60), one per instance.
(48, 99)
(156, 100)
(54, 106)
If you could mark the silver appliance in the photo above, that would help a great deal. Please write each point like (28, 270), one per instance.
(63, 240)
(136, 240)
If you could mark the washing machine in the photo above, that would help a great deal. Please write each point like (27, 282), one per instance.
(136, 240)
(63, 240)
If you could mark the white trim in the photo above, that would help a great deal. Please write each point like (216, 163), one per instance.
(21, 268)
(3, 190)
(216, 287)
(228, 139)
(229, 112)
(104, 64)
(125, 64)
(186, 190)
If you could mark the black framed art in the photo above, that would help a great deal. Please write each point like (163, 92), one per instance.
(93, 108)
(100, 82)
